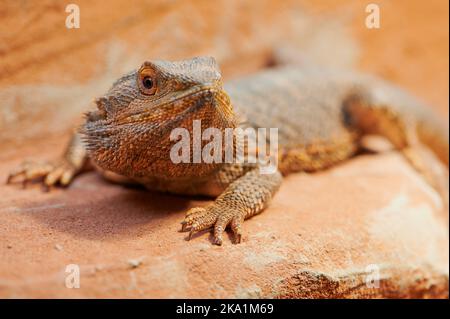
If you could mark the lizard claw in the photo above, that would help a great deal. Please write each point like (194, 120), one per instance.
(61, 172)
(184, 226)
(190, 235)
(212, 216)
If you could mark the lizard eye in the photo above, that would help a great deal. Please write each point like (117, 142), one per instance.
(147, 81)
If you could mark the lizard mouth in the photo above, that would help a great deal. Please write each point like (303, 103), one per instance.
(178, 103)
(189, 99)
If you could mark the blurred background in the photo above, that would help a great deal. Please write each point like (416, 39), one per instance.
(50, 74)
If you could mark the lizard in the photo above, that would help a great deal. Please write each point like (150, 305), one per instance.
(321, 116)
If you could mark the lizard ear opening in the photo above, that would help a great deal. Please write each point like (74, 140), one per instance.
(146, 79)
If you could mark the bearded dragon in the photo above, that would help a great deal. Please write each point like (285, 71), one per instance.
(321, 117)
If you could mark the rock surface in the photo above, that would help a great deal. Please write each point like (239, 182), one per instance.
(325, 235)
(329, 234)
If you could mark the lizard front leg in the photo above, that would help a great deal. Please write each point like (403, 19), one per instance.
(243, 198)
(60, 171)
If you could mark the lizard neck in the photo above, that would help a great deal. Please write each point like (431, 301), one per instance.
(168, 143)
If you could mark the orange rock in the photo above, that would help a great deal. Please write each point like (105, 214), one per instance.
(331, 234)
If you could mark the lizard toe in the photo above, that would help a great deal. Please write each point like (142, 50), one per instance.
(236, 227)
(190, 218)
(198, 219)
(28, 171)
(218, 218)
(49, 173)
(219, 228)
(53, 177)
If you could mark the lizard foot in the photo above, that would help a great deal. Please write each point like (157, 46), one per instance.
(216, 217)
(60, 172)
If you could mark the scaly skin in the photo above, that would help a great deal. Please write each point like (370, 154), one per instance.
(321, 117)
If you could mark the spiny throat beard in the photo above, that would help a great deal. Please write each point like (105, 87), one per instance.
(139, 146)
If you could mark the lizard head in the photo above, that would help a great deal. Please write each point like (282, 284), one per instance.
(129, 133)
